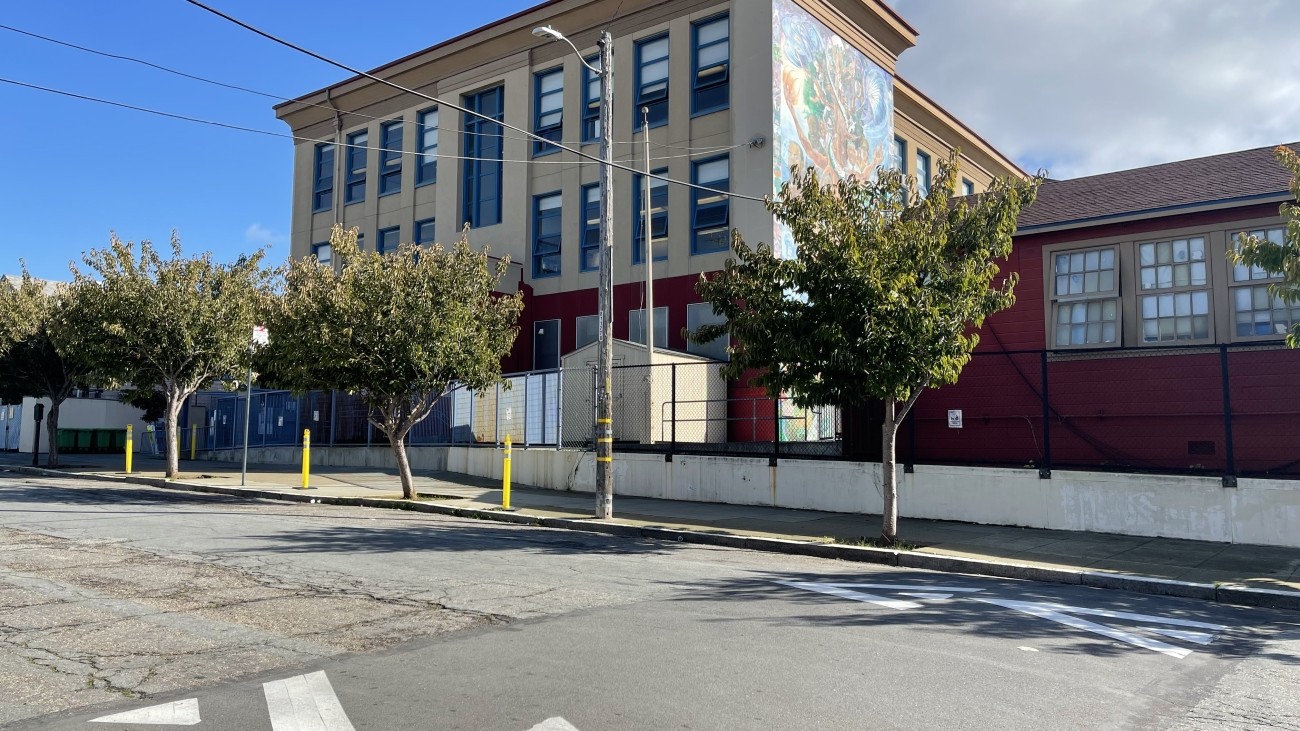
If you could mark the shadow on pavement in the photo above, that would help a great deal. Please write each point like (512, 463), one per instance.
(1247, 629)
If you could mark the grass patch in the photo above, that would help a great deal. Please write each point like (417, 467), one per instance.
(866, 542)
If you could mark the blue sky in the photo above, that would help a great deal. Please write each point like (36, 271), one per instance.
(1074, 86)
(77, 170)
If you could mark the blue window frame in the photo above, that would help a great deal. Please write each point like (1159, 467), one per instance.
(548, 110)
(424, 232)
(322, 187)
(546, 235)
(390, 161)
(899, 162)
(590, 249)
(481, 201)
(427, 172)
(361, 241)
(389, 239)
(591, 101)
(355, 177)
(652, 81)
(711, 65)
(922, 174)
(967, 187)
(658, 217)
(710, 212)
(324, 252)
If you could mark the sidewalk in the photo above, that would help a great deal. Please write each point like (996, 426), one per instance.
(1261, 567)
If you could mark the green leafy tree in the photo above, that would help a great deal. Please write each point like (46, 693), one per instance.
(397, 328)
(880, 302)
(37, 357)
(165, 325)
(1284, 257)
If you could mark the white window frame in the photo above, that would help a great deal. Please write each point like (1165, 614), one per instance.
(1072, 301)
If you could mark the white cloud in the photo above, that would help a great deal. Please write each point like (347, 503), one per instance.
(1090, 86)
(260, 236)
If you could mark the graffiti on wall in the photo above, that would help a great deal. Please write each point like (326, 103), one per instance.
(832, 107)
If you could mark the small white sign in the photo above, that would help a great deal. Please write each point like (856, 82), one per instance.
(315, 416)
(279, 421)
(954, 418)
(260, 335)
(509, 414)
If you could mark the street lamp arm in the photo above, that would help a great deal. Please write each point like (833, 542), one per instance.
(546, 31)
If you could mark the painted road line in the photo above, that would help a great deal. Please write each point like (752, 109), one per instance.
(1064, 614)
(554, 724)
(848, 590)
(305, 703)
(177, 713)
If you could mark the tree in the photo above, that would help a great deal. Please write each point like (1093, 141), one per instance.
(1280, 257)
(37, 357)
(880, 301)
(397, 328)
(170, 326)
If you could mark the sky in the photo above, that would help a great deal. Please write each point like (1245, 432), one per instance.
(1075, 87)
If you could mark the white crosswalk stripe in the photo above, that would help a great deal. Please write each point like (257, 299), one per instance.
(177, 713)
(554, 724)
(305, 703)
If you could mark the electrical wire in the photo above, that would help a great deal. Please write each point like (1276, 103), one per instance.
(277, 97)
(282, 135)
(463, 110)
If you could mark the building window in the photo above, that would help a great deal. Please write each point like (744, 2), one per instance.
(697, 316)
(546, 235)
(1255, 311)
(548, 110)
(361, 241)
(1085, 294)
(389, 239)
(899, 161)
(424, 232)
(322, 178)
(1176, 273)
(355, 178)
(652, 81)
(636, 326)
(591, 101)
(586, 329)
(590, 249)
(658, 217)
(483, 146)
(427, 172)
(967, 187)
(390, 161)
(711, 62)
(710, 212)
(324, 253)
(922, 174)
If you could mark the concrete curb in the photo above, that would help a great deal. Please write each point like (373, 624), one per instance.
(1220, 593)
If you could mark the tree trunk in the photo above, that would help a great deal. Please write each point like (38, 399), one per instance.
(171, 419)
(889, 476)
(52, 432)
(403, 465)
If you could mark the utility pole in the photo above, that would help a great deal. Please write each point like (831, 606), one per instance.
(605, 349)
(648, 318)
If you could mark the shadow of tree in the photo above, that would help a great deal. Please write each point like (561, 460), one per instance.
(1246, 634)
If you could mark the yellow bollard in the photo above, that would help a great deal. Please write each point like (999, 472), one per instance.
(130, 446)
(194, 440)
(505, 478)
(306, 459)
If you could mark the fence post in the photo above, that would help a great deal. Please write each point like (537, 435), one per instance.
(776, 430)
(559, 409)
(1230, 474)
(672, 447)
(1045, 469)
(334, 413)
(527, 377)
(910, 465)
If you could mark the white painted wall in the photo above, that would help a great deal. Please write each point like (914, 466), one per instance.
(1257, 511)
(79, 413)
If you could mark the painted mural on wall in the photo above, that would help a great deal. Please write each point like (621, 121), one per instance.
(832, 107)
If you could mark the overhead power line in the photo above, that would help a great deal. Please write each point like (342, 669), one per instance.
(277, 97)
(461, 109)
(283, 135)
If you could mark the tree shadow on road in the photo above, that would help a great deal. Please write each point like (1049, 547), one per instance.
(1246, 634)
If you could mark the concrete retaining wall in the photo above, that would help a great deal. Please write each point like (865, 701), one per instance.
(1258, 511)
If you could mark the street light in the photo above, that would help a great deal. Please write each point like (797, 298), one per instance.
(604, 430)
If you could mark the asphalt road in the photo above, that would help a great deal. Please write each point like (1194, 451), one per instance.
(175, 606)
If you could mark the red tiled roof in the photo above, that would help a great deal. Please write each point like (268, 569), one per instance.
(1245, 175)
